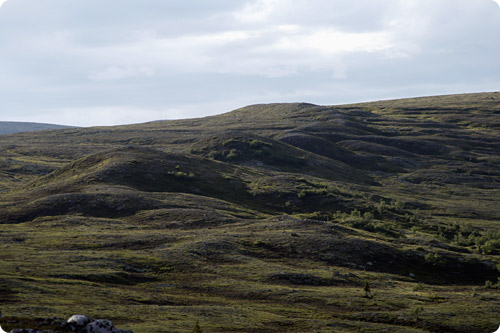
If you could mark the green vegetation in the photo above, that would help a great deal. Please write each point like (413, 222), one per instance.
(271, 218)
(366, 288)
(417, 311)
(197, 328)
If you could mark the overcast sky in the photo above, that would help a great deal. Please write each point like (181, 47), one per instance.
(104, 62)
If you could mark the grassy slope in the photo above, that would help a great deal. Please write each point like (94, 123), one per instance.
(267, 218)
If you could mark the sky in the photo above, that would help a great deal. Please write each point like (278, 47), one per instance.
(109, 62)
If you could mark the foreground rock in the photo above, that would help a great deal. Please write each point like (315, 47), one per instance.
(76, 323)
(79, 320)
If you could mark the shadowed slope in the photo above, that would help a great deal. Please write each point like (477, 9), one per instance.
(264, 153)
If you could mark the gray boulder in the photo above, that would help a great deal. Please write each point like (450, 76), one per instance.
(79, 320)
(101, 326)
(75, 324)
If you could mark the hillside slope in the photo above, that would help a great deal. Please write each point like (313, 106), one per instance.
(9, 127)
(294, 217)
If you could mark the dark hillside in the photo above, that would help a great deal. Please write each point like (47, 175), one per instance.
(379, 216)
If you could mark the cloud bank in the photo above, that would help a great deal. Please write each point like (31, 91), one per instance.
(112, 62)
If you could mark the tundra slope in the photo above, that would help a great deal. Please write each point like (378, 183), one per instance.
(270, 217)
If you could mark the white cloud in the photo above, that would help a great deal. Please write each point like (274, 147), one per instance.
(257, 11)
(331, 42)
(288, 49)
(272, 52)
(117, 72)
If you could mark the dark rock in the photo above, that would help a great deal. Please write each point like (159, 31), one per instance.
(101, 326)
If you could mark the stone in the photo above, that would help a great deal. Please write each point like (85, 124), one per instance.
(75, 324)
(79, 320)
(101, 326)
(490, 264)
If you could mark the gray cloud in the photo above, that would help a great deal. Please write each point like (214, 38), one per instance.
(106, 62)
